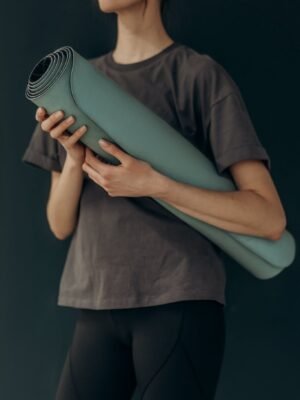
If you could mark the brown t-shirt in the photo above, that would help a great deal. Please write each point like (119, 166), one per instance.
(130, 251)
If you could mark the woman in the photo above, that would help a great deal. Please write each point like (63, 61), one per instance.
(148, 288)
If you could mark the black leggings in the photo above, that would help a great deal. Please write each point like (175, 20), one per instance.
(169, 351)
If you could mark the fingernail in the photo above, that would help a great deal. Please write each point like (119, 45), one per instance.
(102, 141)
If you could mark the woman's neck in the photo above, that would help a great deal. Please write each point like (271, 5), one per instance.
(140, 34)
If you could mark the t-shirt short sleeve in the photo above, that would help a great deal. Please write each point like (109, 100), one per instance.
(230, 131)
(232, 135)
(42, 151)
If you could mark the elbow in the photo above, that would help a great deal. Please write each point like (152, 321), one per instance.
(61, 235)
(277, 231)
(59, 230)
(276, 235)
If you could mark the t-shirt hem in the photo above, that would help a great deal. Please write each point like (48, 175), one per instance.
(40, 160)
(242, 152)
(133, 302)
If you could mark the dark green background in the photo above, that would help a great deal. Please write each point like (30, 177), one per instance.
(257, 42)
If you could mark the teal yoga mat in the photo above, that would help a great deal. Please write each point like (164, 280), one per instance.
(65, 80)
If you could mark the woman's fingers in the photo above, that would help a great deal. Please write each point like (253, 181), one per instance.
(48, 123)
(69, 140)
(76, 135)
(40, 114)
(62, 127)
(57, 129)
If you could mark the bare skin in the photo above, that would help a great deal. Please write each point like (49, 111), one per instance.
(66, 185)
(254, 209)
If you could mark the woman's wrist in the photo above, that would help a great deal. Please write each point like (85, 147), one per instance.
(74, 164)
(160, 184)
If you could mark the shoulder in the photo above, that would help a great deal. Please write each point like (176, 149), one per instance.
(98, 61)
(204, 72)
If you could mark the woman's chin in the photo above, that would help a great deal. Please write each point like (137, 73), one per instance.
(109, 6)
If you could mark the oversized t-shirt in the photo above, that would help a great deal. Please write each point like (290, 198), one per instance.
(130, 251)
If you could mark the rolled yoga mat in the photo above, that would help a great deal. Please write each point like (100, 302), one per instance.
(65, 80)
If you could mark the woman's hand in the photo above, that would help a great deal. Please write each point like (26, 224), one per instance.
(133, 177)
(56, 126)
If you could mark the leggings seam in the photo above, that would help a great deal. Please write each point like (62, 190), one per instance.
(170, 353)
(191, 365)
(72, 377)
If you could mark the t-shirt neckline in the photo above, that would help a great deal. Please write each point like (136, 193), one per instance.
(138, 64)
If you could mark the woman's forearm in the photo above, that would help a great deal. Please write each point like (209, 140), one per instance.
(238, 211)
(63, 201)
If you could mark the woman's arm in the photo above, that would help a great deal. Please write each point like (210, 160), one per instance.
(254, 209)
(62, 205)
(66, 186)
